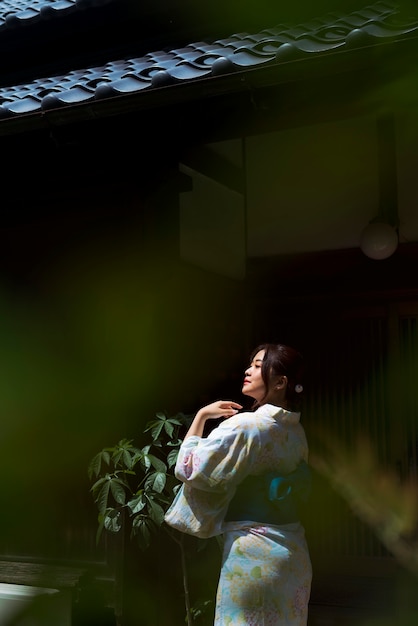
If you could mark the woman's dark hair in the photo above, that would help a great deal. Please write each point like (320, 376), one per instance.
(282, 360)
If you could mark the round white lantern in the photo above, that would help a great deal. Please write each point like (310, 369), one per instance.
(379, 240)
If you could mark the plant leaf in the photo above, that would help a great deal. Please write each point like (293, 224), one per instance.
(95, 487)
(169, 428)
(112, 521)
(156, 512)
(156, 430)
(142, 529)
(95, 465)
(172, 457)
(127, 458)
(103, 497)
(174, 442)
(156, 481)
(117, 488)
(157, 463)
(137, 503)
(200, 608)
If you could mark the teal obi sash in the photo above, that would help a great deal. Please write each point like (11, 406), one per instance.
(271, 498)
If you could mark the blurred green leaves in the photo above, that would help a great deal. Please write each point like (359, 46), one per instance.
(376, 494)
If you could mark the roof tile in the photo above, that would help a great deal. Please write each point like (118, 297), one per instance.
(200, 59)
(14, 13)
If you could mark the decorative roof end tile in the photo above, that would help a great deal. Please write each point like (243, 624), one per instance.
(222, 66)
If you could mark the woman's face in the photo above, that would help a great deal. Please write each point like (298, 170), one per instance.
(254, 386)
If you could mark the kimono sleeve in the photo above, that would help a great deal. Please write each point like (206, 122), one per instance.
(221, 460)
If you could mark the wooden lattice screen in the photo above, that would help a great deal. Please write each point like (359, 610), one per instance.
(361, 381)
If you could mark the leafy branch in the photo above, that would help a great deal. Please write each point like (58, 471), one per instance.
(137, 485)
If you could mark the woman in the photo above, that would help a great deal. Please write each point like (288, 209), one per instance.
(233, 485)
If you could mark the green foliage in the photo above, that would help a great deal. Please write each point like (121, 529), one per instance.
(136, 485)
(200, 608)
(138, 482)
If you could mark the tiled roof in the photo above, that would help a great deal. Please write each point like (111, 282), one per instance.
(15, 13)
(122, 77)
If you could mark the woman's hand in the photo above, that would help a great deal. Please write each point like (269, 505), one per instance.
(220, 408)
(215, 410)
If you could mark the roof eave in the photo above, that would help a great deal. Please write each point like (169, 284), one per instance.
(381, 62)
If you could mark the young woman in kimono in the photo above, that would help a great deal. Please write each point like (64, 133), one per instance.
(244, 481)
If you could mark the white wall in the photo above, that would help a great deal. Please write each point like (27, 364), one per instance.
(308, 189)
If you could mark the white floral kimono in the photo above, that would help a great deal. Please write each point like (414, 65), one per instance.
(266, 570)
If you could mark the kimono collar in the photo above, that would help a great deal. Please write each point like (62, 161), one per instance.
(279, 413)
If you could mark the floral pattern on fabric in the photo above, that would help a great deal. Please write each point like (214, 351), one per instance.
(266, 571)
(210, 468)
(266, 576)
